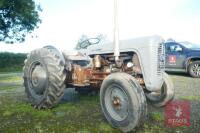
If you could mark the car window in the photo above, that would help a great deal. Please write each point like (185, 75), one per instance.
(167, 47)
(172, 47)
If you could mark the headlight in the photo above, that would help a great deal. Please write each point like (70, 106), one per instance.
(129, 64)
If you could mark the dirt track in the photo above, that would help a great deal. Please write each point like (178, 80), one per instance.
(78, 113)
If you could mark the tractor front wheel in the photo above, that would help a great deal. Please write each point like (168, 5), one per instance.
(123, 101)
(162, 97)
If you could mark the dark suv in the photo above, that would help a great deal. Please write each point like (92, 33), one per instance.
(183, 56)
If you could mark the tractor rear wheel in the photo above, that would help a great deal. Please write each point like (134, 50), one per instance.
(44, 77)
(55, 51)
(123, 101)
(166, 94)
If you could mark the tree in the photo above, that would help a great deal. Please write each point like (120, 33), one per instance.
(17, 19)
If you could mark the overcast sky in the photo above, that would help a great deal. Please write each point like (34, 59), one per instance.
(64, 21)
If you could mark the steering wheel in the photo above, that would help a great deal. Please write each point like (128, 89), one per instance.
(88, 42)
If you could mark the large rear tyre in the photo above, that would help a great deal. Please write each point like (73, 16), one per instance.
(123, 101)
(44, 77)
(194, 69)
(166, 94)
(55, 51)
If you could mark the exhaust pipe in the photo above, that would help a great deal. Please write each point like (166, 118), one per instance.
(116, 32)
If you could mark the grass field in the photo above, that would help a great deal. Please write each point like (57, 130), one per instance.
(11, 69)
(82, 114)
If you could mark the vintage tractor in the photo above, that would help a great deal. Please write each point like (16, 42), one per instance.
(124, 82)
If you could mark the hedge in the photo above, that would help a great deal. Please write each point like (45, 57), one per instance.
(11, 60)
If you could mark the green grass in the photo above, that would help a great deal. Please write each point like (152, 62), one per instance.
(11, 69)
(104, 127)
(82, 116)
(9, 87)
(10, 79)
(190, 98)
(25, 109)
(157, 116)
(153, 128)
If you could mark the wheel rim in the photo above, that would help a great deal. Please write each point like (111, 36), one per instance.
(116, 102)
(196, 69)
(37, 78)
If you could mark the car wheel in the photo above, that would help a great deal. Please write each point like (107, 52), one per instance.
(194, 69)
(123, 101)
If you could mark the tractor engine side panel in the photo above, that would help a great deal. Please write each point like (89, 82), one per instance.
(80, 75)
(86, 76)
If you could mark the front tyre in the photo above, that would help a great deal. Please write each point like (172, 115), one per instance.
(44, 77)
(166, 94)
(194, 69)
(123, 101)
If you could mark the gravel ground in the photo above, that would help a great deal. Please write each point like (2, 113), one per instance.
(185, 85)
(188, 88)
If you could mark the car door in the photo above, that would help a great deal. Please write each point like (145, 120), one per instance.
(175, 56)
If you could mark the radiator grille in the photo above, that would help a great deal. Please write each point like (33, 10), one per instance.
(161, 59)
